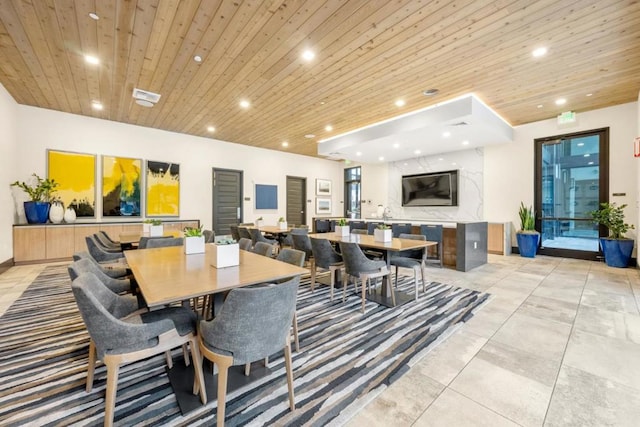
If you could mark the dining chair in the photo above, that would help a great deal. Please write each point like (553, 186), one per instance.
(209, 236)
(115, 270)
(323, 226)
(99, 254)
(325, 258)
(166, 242)
(433, 233)
(413, 259)
(235, 235)
(264, 249)
(401, 228)
(359, 231)
(243, 232)
(358, 266)
(105, 244)
(357, 225)
(245, 244)
(77, 268)
(288, 240)
(253, 323)
(144, 240)
(256, 236)
(302, 243)
(118, 339)
(109, 240)
(372, 226)
(293, 257)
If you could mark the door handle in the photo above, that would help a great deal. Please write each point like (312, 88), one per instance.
(238, 213)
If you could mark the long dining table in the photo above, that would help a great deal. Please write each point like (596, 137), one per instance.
(395, 245)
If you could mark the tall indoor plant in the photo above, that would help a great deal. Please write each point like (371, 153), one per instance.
(528, 238)
(40, 192)
(616, 248)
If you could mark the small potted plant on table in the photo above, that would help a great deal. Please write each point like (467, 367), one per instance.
(382, 233)
(193, 240)
(342, 227)
(282, 223)
(40, 192)
(156, 229)
(616, 248)
(528, 238)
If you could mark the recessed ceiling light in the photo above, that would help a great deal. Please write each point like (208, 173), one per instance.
(416, 152)
(561, 101)
(541, 51)
(396, 145)
(381, 158)
(211, 129)
(91, 60)
(400, 103)
(308, 55)
(406, 164)
(309, 136)
(540, 105)
(245, 104)
(94, 16)
(430, 92)
(453, 164)
(97, 105)
(328, 128)
(587, 155)
(358, 153)
(589, 94)
(580, 144)
(446, 134)
(285, 144)
(465, 142)
(441, 159)
(590, 163)
(144, 103)
(197, 58)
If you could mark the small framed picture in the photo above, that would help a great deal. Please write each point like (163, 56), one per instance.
(323, 206)
(323, 187)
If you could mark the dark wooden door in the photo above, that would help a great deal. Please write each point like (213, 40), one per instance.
(227, 200)
(296, 200)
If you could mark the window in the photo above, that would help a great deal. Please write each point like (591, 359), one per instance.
(352, 192)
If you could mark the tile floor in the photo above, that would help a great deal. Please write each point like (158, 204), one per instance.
(558, 344)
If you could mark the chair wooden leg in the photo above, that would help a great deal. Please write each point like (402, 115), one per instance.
(185, 354)
(247, 369)
(296, 340)
(415, 281)
(424, 280)
(364, 285)
(345, 280)
(313, 278)
(199, 375)
(266, 359)
(112, 385)
(91, 365)
(392, 292)
(223, 370)
(287, 359)
(167, 355)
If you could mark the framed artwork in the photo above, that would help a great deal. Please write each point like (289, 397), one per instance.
(76, 174)
(323, 187)
(121, 186)
(163, 189)
(266, 196)
(323, 206)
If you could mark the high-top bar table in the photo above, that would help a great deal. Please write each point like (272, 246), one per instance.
(395, 245)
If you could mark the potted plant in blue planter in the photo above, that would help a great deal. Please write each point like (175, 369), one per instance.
(528, 238)
(616, 248)
(40, 192)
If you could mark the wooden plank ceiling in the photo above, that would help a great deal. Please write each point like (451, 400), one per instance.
(369, 53)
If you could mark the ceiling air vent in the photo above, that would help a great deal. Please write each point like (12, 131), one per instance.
(459, 124)
(145, 98)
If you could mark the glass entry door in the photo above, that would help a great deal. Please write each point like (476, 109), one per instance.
(571, 181)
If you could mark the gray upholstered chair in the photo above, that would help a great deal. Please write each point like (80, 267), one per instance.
(433, 233)
(144, 240)
(262, 248)
(358, 266)
(245, 244)
(106, 235)
(115, 270)
(235, 235)
(243, 232)
(323, 226)
(82, 266)
(359, 231)
(109, 240)
(325, 258)
(357, 225)
(164, 243)
(253, 323)
(301, 242)
(413, 259)
(118, 338)
(372, 226)
(256, 236)
(105, 244)
(99, 254)
(293, 257)
(401, 228)
(209, 236)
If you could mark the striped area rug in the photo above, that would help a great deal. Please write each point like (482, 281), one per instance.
(345, 360)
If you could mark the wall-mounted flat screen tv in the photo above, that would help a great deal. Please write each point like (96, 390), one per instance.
(430, 189)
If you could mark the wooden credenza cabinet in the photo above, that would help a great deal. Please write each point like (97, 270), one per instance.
(55, 242)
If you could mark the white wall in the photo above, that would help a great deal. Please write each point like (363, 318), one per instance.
(8, 142)
(41, 129)
(509, 168)
(374, 189)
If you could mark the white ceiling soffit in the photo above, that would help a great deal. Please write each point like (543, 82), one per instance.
(465, 118)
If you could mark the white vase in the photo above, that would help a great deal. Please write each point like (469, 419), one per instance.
(194, 245)
(56, 212)
(69, 215)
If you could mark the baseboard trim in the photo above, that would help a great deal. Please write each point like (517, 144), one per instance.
(4, 266)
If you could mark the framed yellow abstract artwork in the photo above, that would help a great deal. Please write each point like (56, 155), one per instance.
(163, 189)
(76, 174)
(121, 183)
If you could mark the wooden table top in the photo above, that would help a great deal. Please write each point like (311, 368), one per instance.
(368, 241)
(167, 275)
(273, 229)
(135, 237)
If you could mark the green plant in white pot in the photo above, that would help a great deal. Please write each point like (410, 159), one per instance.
(193, 240)
(342, 227)
(528, 238)
(616, 247)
